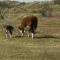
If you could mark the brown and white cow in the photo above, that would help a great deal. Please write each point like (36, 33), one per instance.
(28, 24)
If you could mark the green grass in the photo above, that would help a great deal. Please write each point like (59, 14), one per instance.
(29, 49)
(46, 46)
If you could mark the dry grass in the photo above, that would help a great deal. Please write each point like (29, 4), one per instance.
(45, 45)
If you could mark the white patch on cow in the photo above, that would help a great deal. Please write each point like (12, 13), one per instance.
(25, 16)
(21, 32)
(32, 35)
(24, 31)
(27, 28)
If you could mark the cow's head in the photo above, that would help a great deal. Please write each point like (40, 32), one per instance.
(27, 28)
(24, 30)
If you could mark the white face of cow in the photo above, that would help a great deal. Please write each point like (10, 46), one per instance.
(27, 28)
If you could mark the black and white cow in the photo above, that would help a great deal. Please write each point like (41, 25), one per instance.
(8, 30)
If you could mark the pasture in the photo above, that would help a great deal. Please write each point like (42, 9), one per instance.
(45, 45)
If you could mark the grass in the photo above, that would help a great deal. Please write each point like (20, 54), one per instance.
(29, 49)
(46, 46)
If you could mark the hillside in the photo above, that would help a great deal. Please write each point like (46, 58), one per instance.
(18, 7)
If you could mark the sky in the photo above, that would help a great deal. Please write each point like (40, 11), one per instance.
(32, 0)
(28, 0)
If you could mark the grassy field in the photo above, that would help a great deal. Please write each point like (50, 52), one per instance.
(29, 49)
(45, 45)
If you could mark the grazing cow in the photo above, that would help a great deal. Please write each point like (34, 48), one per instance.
(28, 24)
(8, 30)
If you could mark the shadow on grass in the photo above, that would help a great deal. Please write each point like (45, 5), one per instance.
(47, 36)
(17, 37)
(41, 36)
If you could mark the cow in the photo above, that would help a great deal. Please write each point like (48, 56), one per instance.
(8, 30)
(28, 24)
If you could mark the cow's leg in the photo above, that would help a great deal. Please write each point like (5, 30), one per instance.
(32, 35)
(10, 34)
(6, 34)
(21, 33)
(28, 33)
